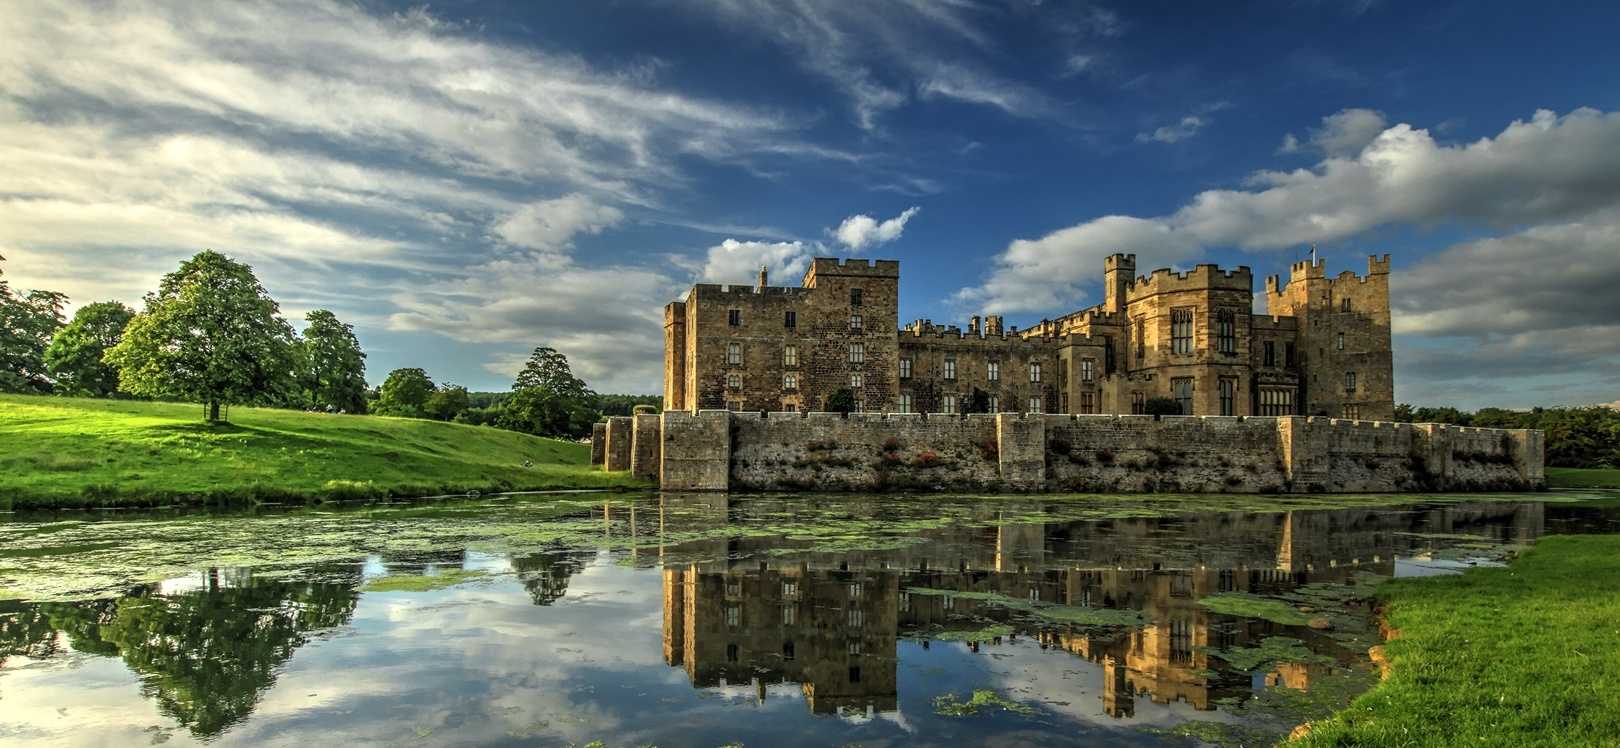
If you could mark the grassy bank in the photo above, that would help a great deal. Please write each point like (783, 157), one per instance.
(67, 452)
(1579, 478)
(1527, 655)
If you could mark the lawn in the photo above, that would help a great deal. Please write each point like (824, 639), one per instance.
(1577, 477)
(66, 452)
(1527, 655)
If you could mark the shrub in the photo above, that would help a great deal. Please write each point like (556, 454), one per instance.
(891, 445)
(1105, 456)
(1060, 446)
(1162, 406)
(928, 458)
(989, 449)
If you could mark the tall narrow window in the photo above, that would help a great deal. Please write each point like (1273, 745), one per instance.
(734, 317)
(860, 406)
(734, 381)
(905, 368)
(1276, 402)
(1228, 397)
(1181, 330)
(857, 353)
(992, 371)
(790, 355)
(1344, 305)
(790, 382)
(1108, 354)
(1288, 355)
(856, 381)
(1182, 390)
(855, 322)
(1035, 404)
(1085, 369)
(905, 403)
(855, 297)
(790, 319)
(1141, 339)
(733, 617)
(949, 404)
(1270, 353)
(1341, 341)
(1034, 372)
(1226, 331)
(995, 404)
(950, 369)
(734, 354)
(1349, 381)
(790, 617)
(1088, 402)
(1138, 403)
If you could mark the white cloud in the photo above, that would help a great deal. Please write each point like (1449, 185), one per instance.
(738, 262)
(1188, 127)
(1345, 133)
(549, 225)
(861, 231)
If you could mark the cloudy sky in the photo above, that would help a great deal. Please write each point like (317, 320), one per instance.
(466, 180)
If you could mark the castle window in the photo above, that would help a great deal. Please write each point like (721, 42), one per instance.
(1226, 331)
(734, 354)
(905, 403)
(905, 368)
(733, 381)
(1034, 372)
(790, 617)
(733, 618)
(950, 369)
(1344, 305)
(787, 647)
(731, 649)
(790, 382)
(1088, 402)
(1270, 357)
(1341, 341)
(790, 355)
(855, 297)
(790, 319)
(992, 371)
(860, 406)
(1288, 355)
(995, 404)
(855, 672)
(1352, 412)
(855, 322)
(735, 317)
(857, 353)
(1108, 354)
(854, 589)
(855, 651)
(1181, 330)
(733, 405)
(855, 381)
(1035, 404)
(1138, 402)
(1085, 369)
(1228, 397)
(854, 619)
(1349, 381)
(1182, 390)
(949, 405)
(1141, 339)
(1276, 402)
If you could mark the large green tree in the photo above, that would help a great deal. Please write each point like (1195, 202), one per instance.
(548, 400)
(447, 402)
(209, 334)
(332, 368)
(27, 323)
(75, 355)
(404, 393)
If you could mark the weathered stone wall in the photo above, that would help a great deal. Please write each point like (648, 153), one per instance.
(721, 450)
(598, 444)
(617, 450)
(646, 440)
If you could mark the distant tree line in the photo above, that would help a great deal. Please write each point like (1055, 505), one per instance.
(1585, 437)
(210, 334)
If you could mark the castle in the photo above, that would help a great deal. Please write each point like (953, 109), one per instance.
(1321, 349)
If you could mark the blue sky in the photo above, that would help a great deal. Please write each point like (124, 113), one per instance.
(464, 181)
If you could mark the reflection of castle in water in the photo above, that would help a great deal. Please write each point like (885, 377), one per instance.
(831, 621)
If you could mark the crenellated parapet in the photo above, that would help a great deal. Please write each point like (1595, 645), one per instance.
(1200, 278)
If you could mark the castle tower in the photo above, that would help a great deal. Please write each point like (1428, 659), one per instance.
(1119, 270)
(1344, 361)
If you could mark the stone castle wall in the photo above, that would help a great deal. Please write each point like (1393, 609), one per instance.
(717, 450)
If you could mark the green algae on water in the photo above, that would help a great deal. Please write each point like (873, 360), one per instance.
(1254, 606)
(1272, 650)
(949, 706)
(415, 583)
(982, 635)
(1222, 734)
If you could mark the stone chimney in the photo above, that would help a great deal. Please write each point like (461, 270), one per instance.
(762, 282)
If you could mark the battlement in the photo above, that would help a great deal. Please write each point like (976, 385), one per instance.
(1200, 278)
(852, 267)
(1308, 270)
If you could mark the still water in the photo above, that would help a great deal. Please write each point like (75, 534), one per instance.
(706, 621)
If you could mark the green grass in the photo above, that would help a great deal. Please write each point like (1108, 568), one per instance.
(58, 452)
(1582, 478)
(1527, 655)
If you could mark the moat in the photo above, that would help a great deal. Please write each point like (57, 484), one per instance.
(705, 621)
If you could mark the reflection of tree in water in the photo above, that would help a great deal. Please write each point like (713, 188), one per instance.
(206, 655)
(25, 631)
(545, 575)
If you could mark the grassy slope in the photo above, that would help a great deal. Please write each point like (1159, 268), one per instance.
(1577, 477)
(71, 451)
(1527, 655)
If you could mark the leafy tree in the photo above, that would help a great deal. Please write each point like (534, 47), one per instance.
(842, 400)
(210, 334)
(446, 402)
(979, 402)
(404, 393)
(1403, 412)
(624, 405)
(1162, 406)
(27, 323)
(333, 368)
(548, 400)
(74, 357)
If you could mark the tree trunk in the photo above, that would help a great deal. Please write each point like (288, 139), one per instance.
(213, 412)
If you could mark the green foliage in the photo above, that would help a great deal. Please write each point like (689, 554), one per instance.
(332, 367)
(979, 402)
(1517, 656)
(948, 705)
(1162, 406)
(74, 357)
(1586, 437)
(209, 334)
(27, 323)
(624, 405)
(842, 400)
(548, 400)
(404, 393)
(446, 402)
